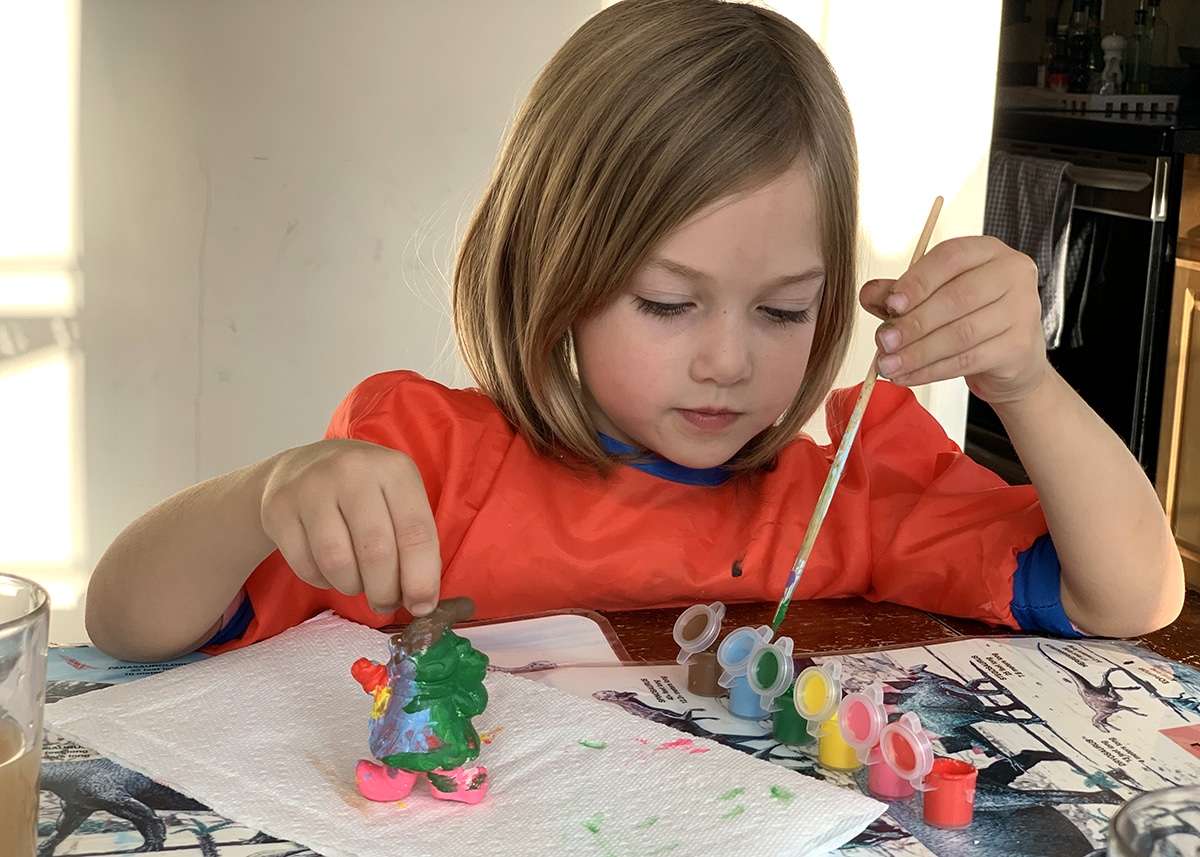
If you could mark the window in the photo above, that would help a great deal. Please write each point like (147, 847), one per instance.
(41, 363)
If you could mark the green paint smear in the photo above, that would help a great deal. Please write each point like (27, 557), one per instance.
(735, 812)
(781, 794)
(593, 823)
(441, 782)
(731, 794)
(665, 849)
(595, 745)
(652, 820)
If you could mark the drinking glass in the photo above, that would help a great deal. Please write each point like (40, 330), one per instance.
(1162, 823)
(24, 629)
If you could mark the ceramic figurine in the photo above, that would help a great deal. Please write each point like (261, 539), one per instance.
(425, 696)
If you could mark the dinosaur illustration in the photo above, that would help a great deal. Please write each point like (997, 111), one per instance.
(1104, 699)
(1008, 821)
(101, 785)
(56, 690)
(948, 707)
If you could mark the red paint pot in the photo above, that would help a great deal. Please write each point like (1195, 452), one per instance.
(950, 794)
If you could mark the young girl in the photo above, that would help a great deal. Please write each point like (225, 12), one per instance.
(654, 294)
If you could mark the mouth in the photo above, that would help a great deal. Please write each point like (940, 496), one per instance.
(709, 419)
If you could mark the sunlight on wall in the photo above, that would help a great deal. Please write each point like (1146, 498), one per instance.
(35, 448)
(38, 65)
(41, 468)
(920, 80)
(37, 294)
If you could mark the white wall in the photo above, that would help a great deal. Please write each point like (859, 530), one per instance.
(272, 189)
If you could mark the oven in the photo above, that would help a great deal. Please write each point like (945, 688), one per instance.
(1114, 341)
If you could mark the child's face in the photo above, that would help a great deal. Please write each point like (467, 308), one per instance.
(708, 343)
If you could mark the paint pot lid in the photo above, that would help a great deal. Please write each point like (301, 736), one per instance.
(736, 649)
(906, 749)
(818, 691)
(778, 654)
(861, 718)
(712, 614)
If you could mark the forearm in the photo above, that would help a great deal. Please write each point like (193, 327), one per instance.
(161, 587)
(1121, 571)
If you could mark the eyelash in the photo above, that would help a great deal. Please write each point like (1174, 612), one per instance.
(774, 315)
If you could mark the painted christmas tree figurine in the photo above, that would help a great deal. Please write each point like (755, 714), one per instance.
(425, 696)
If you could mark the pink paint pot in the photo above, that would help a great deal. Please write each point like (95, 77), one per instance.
(884, 783)
(950, 794)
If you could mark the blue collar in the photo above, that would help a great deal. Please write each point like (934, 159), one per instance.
(663, 469)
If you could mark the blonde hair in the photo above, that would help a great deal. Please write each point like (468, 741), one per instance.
(652, 110)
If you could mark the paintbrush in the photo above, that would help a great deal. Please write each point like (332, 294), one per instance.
(843, 450)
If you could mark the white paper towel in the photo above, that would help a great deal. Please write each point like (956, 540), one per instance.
(269, 736)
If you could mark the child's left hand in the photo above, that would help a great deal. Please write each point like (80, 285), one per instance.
(968, 307)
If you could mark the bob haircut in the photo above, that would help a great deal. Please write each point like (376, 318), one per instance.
(652, 110)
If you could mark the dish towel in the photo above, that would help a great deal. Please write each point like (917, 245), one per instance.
(269, 736)
(1029, 202)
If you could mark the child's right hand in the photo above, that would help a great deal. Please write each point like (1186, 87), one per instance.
(354, 516)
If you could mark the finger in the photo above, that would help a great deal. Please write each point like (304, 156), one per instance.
(952, 342)
(975, 291)
(332, 549)
(944, 263)
(292, 542)
(370, 525)
(982, 354)
(416, 541)
(873, 295)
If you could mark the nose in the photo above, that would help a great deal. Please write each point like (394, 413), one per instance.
(723, 352)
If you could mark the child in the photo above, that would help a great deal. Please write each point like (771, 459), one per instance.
(654, 294)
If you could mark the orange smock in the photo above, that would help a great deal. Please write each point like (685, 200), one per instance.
(914, 521)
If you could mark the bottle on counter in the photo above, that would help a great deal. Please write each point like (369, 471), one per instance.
(1079, 50)
(1060, 64)
(1137, 56)
(1160, 35)
(1047, 54)
(1095, 31)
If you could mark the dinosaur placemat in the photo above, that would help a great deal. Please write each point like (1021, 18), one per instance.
(1062, 733)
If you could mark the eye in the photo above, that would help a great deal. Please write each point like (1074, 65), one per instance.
(787, 316)
(662, 310)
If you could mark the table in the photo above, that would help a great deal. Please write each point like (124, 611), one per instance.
(854, 623)
(815, 627)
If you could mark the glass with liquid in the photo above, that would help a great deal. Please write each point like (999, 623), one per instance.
(1162, 823)
(24, 627)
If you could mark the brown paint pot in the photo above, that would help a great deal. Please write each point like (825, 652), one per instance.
(703, 672)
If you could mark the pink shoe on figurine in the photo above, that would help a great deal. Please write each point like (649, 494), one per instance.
(381, 783)
(466, 785)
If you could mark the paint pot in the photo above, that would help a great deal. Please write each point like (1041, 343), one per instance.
(817, 694)
(735, 650)
(906, 753)
(832, 750)
(734, 655)
(950, 794)
(696, 629)
(884, 783)
(703, 673)
(744, 701)
(770, 671)
(787, 726)
(861, 718)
